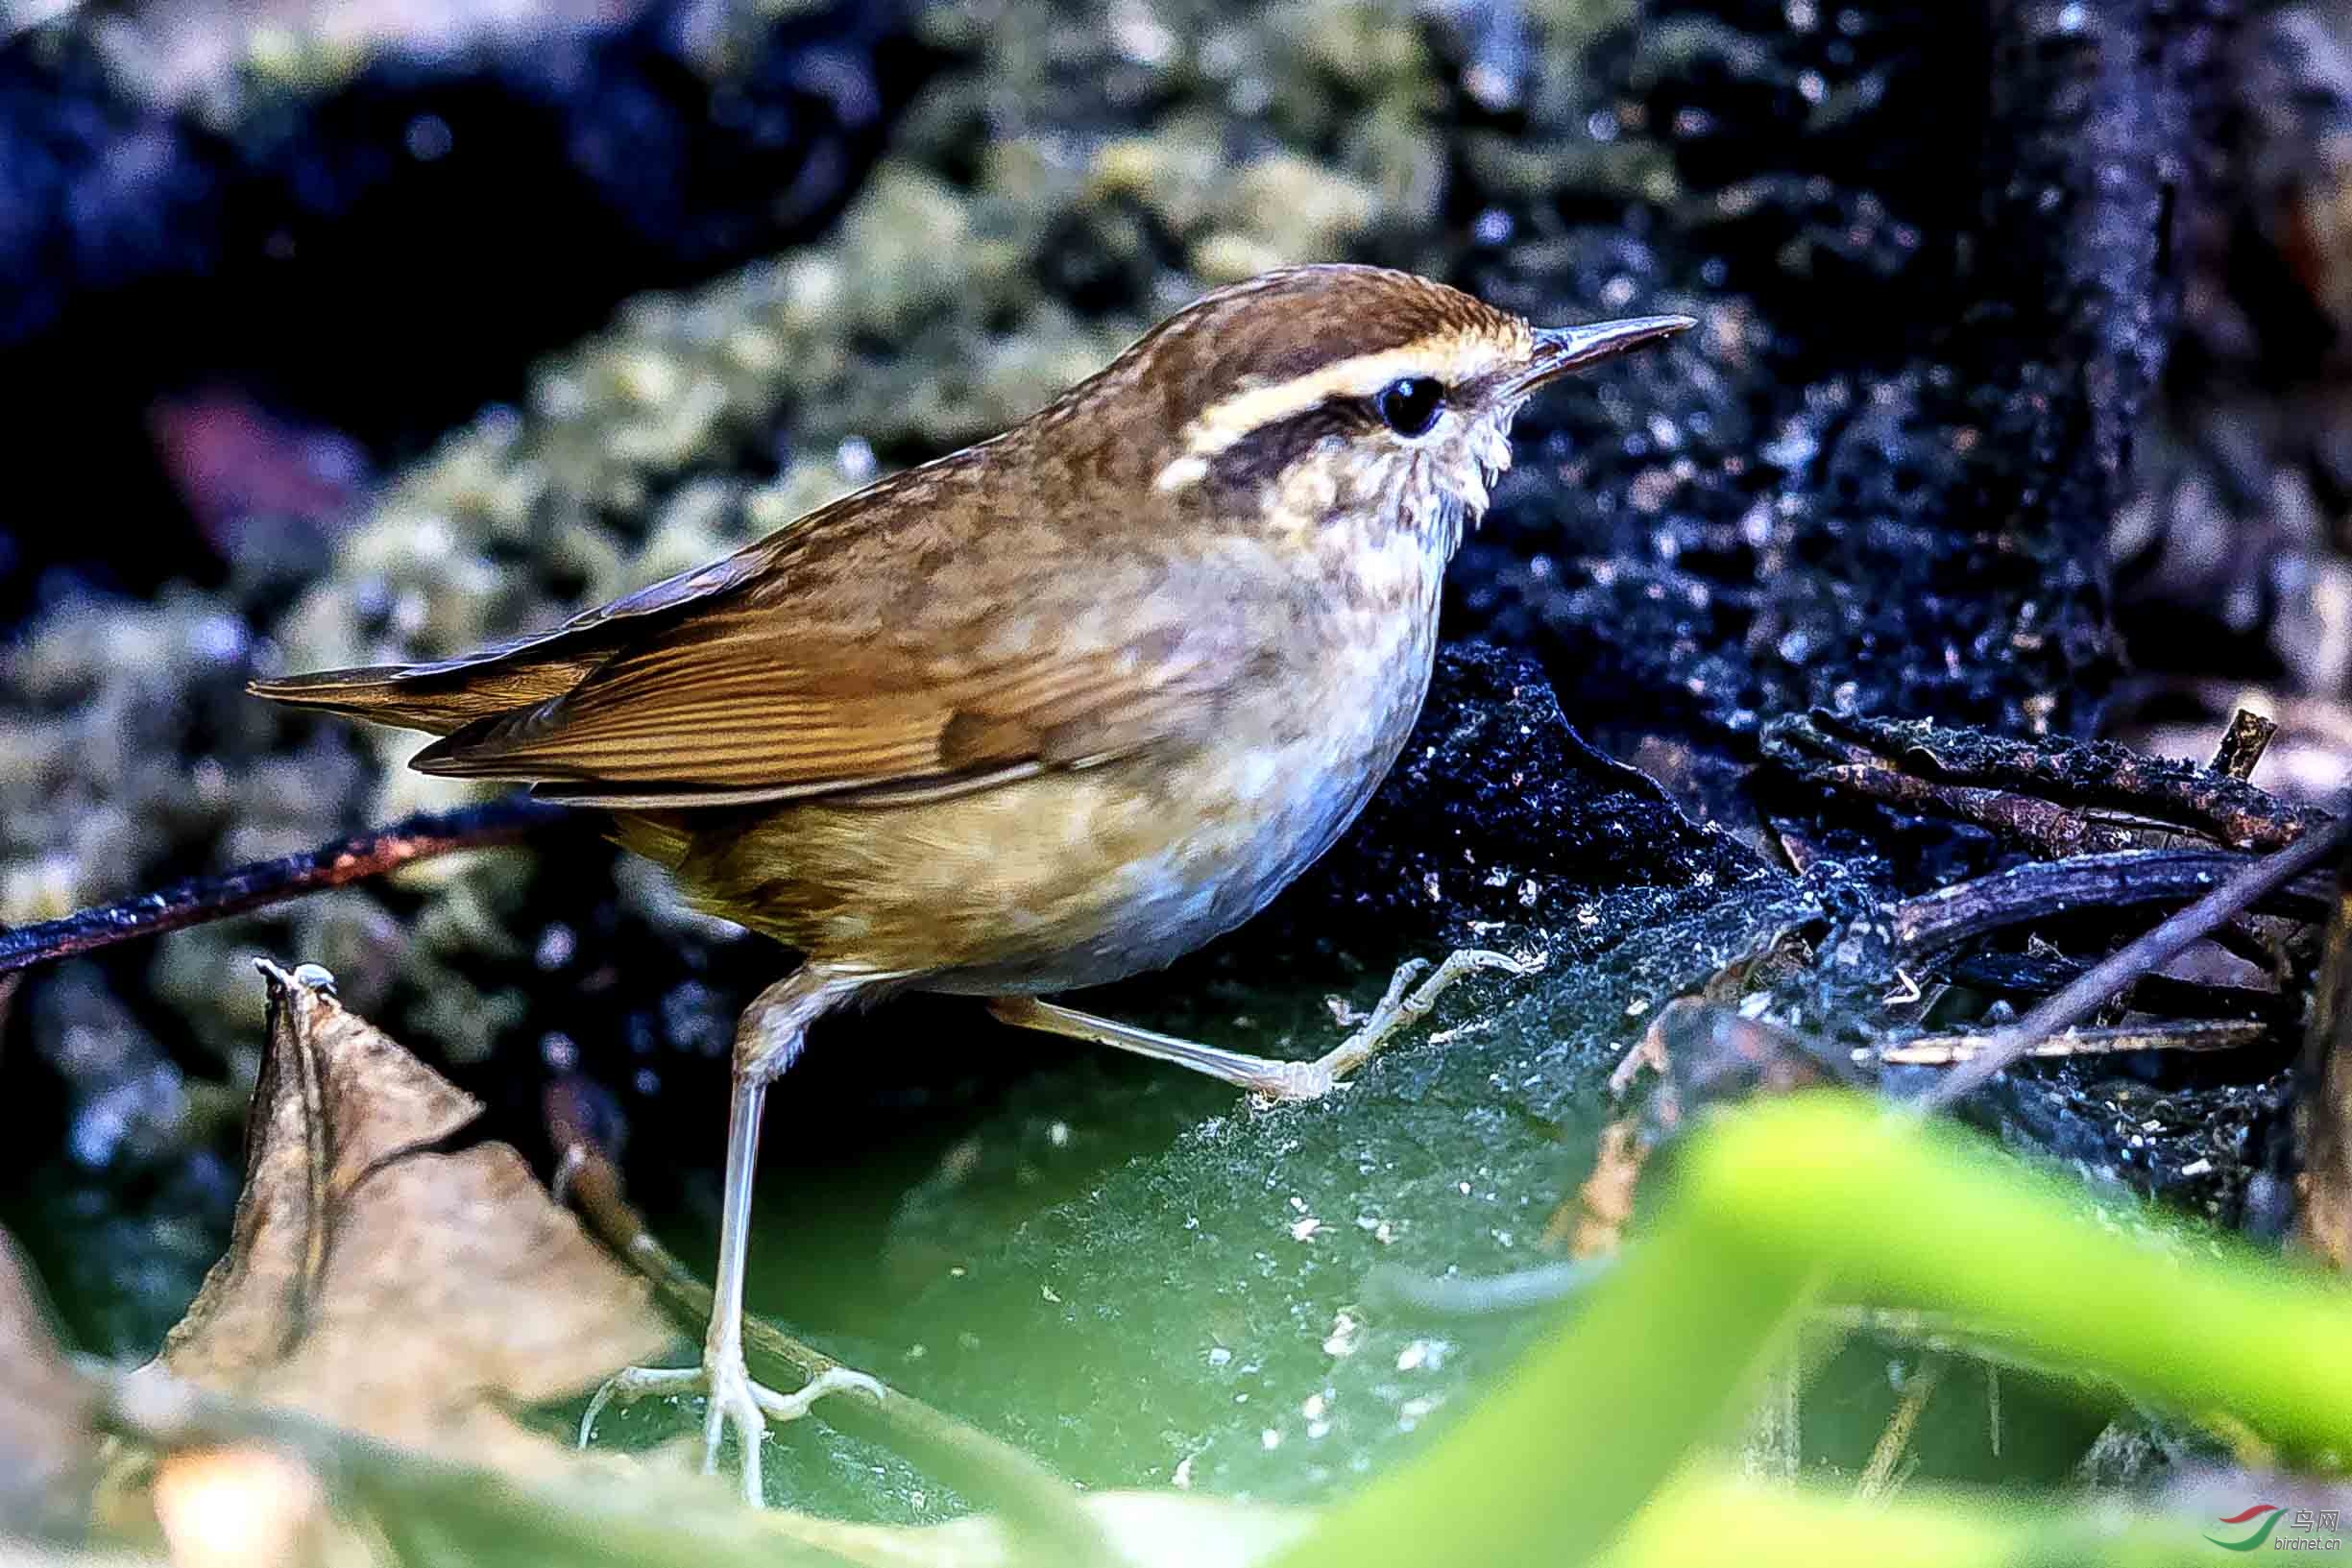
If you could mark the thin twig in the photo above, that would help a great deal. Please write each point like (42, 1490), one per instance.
(2046, 826)
(1030, 1497)
(1944, 919)
(200, 900)
(2243, 743)
(2188, 1034)
(1878, 1476)
(1772, 1447)
(2091, 989)
(1946, 1334)
(2039, 776)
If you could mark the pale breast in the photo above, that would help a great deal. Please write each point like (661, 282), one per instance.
(1198, 843)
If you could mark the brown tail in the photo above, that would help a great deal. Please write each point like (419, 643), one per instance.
(441, 697)
(435, 698)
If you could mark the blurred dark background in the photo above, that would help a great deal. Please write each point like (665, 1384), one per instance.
(255, 260)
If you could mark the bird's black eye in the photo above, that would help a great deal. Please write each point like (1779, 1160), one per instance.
(1410, 406)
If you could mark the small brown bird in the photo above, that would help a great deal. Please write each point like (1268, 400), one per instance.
(1049, 712)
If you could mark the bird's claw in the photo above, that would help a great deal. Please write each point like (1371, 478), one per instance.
(736, 1404)
(833, 1380)
(1398, 1009)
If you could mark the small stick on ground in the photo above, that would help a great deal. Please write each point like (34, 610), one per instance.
(2052, 794)
(2243, 743)
(992, 1473)
(1704, 1054)
(1942, 920)
(2091, 989)
(2044, 826)
(2188, 1034)
(1878, 1477)
(1649, 1053)
(201, 900)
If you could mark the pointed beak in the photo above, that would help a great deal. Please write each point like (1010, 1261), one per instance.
(1559, 349)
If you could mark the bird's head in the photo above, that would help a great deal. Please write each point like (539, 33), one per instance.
(1324, 391)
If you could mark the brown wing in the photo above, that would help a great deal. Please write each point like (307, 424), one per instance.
(448, 694)
(743, 700)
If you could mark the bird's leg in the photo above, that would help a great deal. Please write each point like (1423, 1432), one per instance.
(767, 1042)
(1265, 1075)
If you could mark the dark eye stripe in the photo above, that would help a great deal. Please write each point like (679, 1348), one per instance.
(1266, 451)
(1410, 406)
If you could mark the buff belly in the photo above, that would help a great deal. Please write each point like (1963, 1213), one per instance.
(1054, 882)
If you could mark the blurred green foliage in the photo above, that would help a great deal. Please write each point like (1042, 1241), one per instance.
(1602, 1434)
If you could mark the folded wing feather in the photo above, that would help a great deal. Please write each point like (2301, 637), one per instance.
(688, 695)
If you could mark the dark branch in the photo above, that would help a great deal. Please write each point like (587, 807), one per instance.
(2232, 894)
(200, 900)
(2059, 797)
(1937, 921)
(2190, 1034)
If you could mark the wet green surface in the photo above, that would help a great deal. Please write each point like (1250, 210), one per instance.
(1146, 1282)
(1182, 1301)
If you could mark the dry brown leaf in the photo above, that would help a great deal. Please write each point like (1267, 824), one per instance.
(48, 1448)
(385, 1286)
